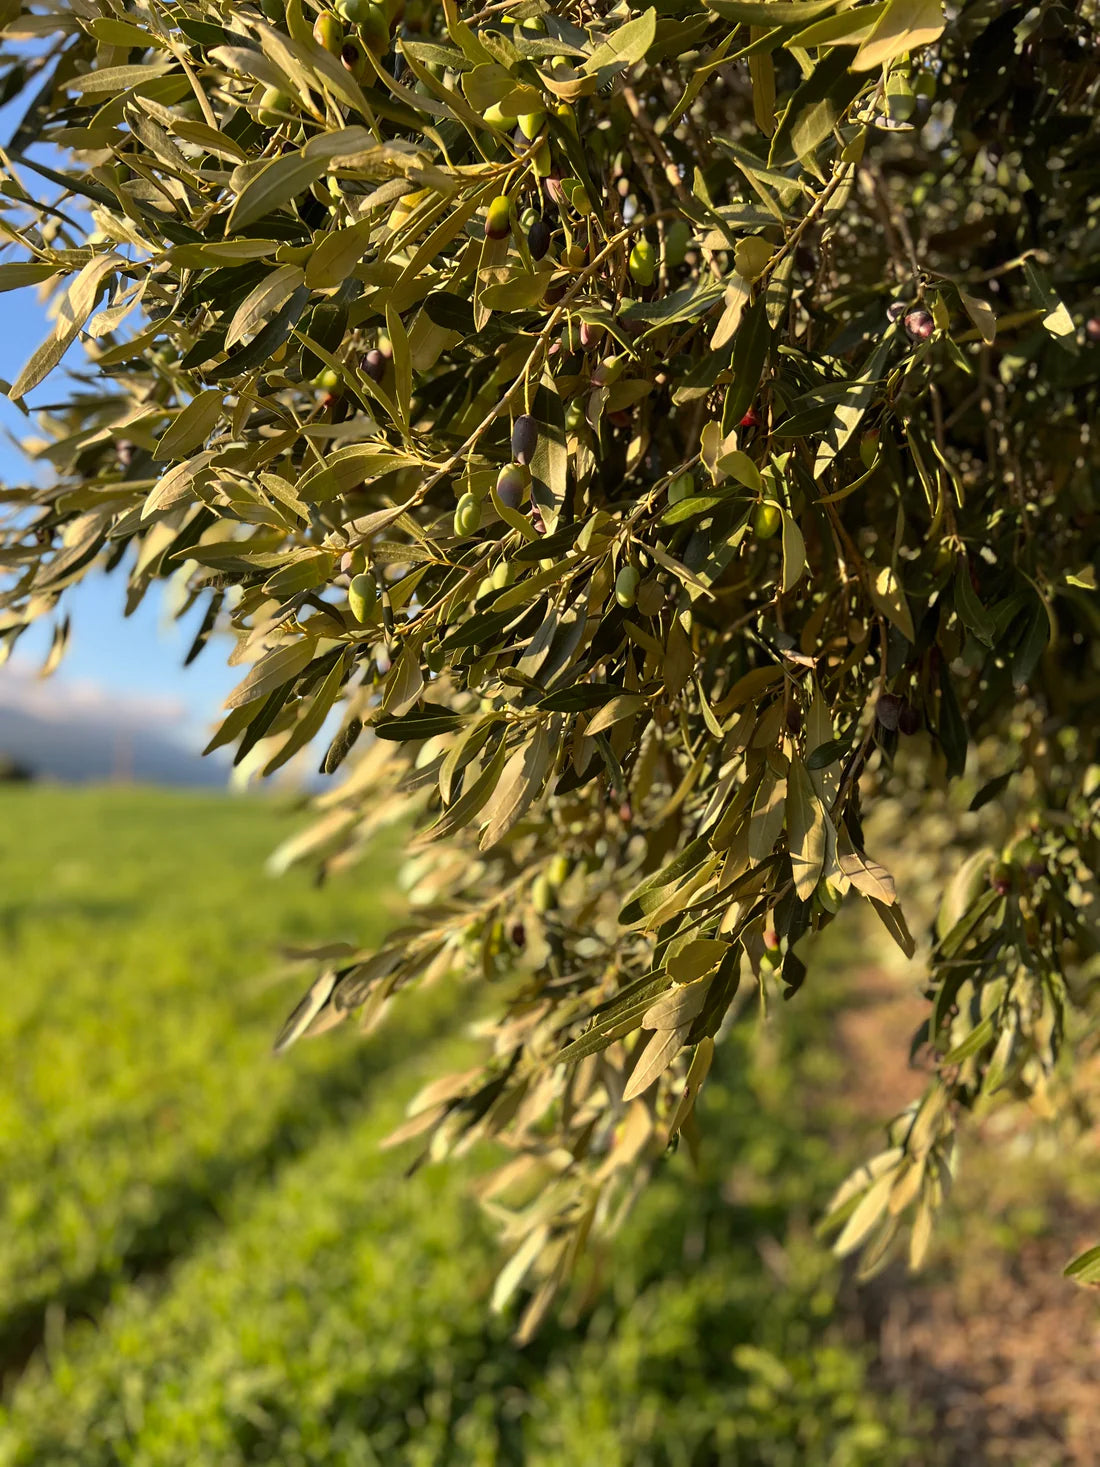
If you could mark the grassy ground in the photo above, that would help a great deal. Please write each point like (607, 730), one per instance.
(204, 1259)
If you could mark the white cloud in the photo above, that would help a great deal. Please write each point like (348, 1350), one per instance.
(59, 699)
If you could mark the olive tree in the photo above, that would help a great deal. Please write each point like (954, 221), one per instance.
(638, 430)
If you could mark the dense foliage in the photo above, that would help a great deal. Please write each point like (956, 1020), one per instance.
(653, 425)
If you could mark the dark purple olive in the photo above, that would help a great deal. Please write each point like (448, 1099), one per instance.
(888, 710)
(538, 239)
(896, 309)
(525, 438)
(908, 719)
(374, 364)
(919, 325)
(518, 934)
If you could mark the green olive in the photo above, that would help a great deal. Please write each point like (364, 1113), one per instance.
(328, 32)
(677, 243)
(467, 515)
(766, 520)
(374, 30)
(362, 595)
(643, 263)
(531, 124)
(330, 380)
(274, 105)
(626, 586)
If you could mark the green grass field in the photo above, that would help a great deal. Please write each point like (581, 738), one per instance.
(205, 1259)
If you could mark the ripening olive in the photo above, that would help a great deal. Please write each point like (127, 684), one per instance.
(328, 32)
(643, 263)
(888, 711)
(1092, 329)
(374, 364)
(538, 239)
(467, 514)
(511, 483)
(919, 325)
(1002, 877)
(498, 219)
(353, 58)
(608, 371)
(591, 334)
(362, 594)
(626, 586)
(525, 438)
(766, 520)
(274, 105)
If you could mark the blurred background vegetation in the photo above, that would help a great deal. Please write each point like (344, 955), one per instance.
(205, 1258)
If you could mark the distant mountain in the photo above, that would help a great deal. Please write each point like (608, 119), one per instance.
(78, 736)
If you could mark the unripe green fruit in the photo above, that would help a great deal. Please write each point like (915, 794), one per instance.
(868, 449)
(374, 30)
(542, 895)
(362, 595)
(467, 515)
(354, 11)
(485, 587)
(682, 487)
(829, 897)
(573, 257)
(766, 520)
(531, 124)
(677, 243)
(525, 438)
(643, 263)
(502, 576)
(328, 32)
(274, 104)
(498, 220)
(558, 870)
(626, 586)
(511, 483)
(542, 160)
(329, 380)
(494, 117)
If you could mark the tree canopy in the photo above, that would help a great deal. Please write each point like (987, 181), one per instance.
(644, 430)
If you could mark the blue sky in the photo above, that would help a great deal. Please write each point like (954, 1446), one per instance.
(141, 654)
